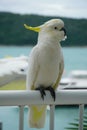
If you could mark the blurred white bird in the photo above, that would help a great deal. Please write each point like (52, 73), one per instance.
(12, 68)
(45, 66)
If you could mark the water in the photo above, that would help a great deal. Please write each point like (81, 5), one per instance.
(14, 51)
(63, 115)
(75, 58)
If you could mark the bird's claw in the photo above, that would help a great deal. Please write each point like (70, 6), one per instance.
(42, 91)
(52, 92)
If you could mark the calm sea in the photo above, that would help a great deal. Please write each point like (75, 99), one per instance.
(75, 58)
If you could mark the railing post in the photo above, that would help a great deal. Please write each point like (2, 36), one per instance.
(0, 125)
(52, 109)
(21, 117)
(81, 114)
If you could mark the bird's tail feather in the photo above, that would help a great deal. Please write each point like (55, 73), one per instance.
(37, 115)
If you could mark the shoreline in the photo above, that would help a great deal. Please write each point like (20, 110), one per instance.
(34, 45)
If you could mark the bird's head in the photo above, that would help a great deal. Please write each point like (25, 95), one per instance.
(53, 28)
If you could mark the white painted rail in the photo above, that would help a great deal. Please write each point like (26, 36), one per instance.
(63, 97)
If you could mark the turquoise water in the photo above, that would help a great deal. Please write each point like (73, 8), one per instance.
(75, 58)
(63, 115)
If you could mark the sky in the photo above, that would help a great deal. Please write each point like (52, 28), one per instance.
(63, 8)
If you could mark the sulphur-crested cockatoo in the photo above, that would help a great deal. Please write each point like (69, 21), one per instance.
(45, 66)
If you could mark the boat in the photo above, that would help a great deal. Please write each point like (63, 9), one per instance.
(13, 68)
(77, 79)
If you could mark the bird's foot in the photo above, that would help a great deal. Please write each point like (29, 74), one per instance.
(52, 91)
(42, 91)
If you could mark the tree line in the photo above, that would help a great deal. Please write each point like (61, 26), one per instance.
(12, 31)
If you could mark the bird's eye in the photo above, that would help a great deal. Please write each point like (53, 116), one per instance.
(55, 28)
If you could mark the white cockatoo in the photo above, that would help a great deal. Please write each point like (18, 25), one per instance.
(46, 66)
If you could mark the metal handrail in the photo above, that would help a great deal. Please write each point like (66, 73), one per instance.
(63, 97)
(23, 97)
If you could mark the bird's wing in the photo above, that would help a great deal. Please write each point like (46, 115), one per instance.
(61, 68)
(33, 69)
(37, 113)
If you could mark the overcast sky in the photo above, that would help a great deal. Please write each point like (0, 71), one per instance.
(65, 8)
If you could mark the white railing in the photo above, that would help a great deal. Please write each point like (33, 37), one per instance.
(63, 97)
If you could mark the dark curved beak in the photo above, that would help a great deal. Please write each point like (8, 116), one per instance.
(63, 29)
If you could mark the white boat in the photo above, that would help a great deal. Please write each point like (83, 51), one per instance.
(77, 79)
(13, 68)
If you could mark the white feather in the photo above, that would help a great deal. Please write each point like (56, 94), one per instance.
(45, 62)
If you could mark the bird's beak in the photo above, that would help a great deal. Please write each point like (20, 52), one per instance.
(36, 29)
(63, 29)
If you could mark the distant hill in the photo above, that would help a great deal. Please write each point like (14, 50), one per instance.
(12, 31)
